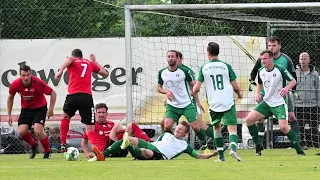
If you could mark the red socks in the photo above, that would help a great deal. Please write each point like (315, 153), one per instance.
(92, 137)
(64, 129)
(28, 138)
(139, 133)
(45, 144)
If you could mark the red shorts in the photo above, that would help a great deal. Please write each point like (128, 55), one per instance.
(120, 134)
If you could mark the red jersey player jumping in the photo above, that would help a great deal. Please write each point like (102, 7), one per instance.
(33, 108)
(79, 96)
(108, 132)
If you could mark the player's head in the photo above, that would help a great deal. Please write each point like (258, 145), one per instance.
(77, 53)
(274, 44)
(304, 59)
(213, 49)
(266, 57)
(182, 129)
(101, 112)
(172, 57)
(179, 58)
(25, 75)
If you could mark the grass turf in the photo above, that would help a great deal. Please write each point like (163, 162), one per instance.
(274, 164)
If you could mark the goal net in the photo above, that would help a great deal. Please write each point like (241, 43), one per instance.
(240, 32)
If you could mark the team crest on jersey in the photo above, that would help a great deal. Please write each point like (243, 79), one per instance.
(274, 75)
(267, 84)
(177, 75)
(169, 84)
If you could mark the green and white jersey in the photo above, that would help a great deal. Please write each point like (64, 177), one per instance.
(177, 82)
(172, 147)
(273, 81)
(217, 76)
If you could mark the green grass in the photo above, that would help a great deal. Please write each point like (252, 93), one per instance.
(274, 164)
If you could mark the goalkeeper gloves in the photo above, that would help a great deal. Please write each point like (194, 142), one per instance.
(252, 83)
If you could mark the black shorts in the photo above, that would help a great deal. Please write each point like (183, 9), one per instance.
(83, 103)
(32, 116)
(121, 153)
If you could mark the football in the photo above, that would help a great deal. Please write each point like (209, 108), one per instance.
(72, 154)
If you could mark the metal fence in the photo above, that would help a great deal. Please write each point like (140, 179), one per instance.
(242, 33)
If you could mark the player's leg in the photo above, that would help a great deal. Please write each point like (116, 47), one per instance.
(162, 123)
(39, 117)
(172, 116)
(69, 110)
(87, 114)
(260, 125)
(24, 124)
(230, 120)
(314, 119)
(292, 118)
(261, 111)
(190, 112)
(281, 113)
(140, 149)
(134, 130)
(218, 140)
(202, 130)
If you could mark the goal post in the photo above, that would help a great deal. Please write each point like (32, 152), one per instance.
(240, 29)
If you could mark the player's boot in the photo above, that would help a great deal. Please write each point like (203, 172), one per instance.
(125, 142)
(47, 155)
(235, 155)
(220, 160)
(301, 154)
(93, 159)
(64, 148)
(33, 150)
(259, 148)
(97, 152)
(203, 147)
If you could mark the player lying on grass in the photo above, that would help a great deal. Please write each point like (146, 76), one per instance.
(168, 146)
(108, 132)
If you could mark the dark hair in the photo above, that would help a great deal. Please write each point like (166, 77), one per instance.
(213, 49)
(274, 39)
(179, 54)
(185, 124)
(267, 52)
(174, 52)
(54, 129)
(101, 105)
(77, 53)
(25, 68)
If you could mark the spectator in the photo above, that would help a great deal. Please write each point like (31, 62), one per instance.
(307, 108)
(54, 140)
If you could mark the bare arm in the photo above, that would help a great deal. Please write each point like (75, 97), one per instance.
(84, 145)
(206, 156)
(161, 90)
(10, 104)
(291, 84)
(103, 72)
(197, 86)
(259, 88)
(236, 88)
(66, 63)
(53, 98)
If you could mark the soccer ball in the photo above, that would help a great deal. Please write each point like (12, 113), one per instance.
(72, 154)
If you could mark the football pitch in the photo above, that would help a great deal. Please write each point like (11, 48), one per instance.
(274, 164)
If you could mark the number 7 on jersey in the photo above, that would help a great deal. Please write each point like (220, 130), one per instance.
(84, 69)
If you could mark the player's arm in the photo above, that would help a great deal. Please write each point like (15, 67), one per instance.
(258, 89)
(84, 145)
(10, 100)
(193, 153)
(254, 72)
(197, 86)
(233, 77)
(66, 63)
(99, 69)
(53, 98)
(160, 88)
(288, 76)
(291, 69)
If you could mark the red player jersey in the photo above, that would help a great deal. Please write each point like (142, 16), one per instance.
(102, 133)
(33, 96)
(80, 72)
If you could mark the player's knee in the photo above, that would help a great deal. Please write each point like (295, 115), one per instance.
(284, 127)
(291, 117)
(66, 116)
(22, 132)
(146, 153)
(195, 126)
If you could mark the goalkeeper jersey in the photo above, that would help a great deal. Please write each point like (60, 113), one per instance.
(177, 82)
(217, 76)
(171, 147)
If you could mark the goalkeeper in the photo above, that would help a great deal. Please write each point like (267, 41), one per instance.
(280, 59)
(168, 146)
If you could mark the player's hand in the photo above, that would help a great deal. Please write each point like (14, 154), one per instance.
(89, 156)
(169, 95)
(165, 102)
(10, 120)
(251, 84)
(92, 58)
(50, 113)
(58, 75)
(200, 106)
(284, 92)
(257, 97)
(240, 95)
